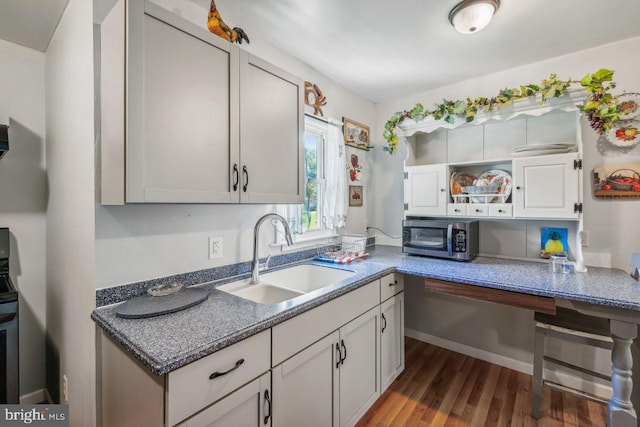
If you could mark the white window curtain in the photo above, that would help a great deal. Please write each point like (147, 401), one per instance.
(335, 199)
(335, 202)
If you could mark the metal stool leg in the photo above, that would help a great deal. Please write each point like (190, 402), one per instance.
(538, 354)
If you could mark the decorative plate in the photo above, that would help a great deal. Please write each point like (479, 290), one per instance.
(459, 180)
(625, 134)
(629, 106)
(500, 178)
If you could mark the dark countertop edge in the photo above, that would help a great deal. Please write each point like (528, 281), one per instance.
(160, 368)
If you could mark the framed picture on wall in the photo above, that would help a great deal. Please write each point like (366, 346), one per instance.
(355, 195)
(356, 134)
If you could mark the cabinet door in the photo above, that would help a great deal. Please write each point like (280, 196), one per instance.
(426, 190)
(182, 110)
(545, 186)
(391, 339)
(249, 406)
(305, 387)
(271, 133)
(359, 366)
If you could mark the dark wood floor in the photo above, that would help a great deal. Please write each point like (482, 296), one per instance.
(443, 388)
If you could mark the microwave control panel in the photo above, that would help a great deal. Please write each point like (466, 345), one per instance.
(460, 241)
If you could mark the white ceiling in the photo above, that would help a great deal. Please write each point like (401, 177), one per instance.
(388, 49)
(30, 23)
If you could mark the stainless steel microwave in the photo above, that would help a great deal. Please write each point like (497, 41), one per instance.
(457, 239)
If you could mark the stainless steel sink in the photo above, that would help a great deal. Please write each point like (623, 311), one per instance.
(283, 285)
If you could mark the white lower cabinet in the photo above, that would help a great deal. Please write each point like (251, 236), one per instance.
(359, 367)
(334, 381)
(391, 339)
(250, 406)
(328, 366)
(305, 387)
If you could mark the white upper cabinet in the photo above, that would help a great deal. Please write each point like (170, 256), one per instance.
(182, 115)
(204, 121)
(543, 186)
(271, 133)
(425, 190)
(546, 186)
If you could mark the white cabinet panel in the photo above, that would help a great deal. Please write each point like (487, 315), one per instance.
(478, 209)
(181, 117)
(501, 209)
(250, 406)
(172, 129)
(192, 388)
(465, 144)
(305, 387)
(390, 285)
(359, 368)
(271, 133)
(456, 209)
(426, 190)
(552, 128)
(501, 137)
(545, 186)
(391, 339)
(293, 335)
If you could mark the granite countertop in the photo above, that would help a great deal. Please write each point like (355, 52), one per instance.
(167, 342)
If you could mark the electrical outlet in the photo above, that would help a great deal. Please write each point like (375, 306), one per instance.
(584, 238)
(215, 247)
(65, 389)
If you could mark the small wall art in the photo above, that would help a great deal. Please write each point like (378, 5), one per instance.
(355, 195)
(553, 241)
(355, 168)
(617, 181)
(356, 134)
(313, 97)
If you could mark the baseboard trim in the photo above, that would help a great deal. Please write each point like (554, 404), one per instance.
(508, 362)
(35, 397)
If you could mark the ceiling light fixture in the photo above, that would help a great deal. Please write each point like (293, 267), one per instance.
(471, 16)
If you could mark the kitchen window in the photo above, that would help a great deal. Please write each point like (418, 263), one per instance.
(325, 201)
(315, 137)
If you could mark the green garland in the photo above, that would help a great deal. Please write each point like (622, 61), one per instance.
(601, 107)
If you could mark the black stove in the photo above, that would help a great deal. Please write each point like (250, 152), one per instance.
(10, 388)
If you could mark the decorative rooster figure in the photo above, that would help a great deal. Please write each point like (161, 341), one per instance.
(217, 26)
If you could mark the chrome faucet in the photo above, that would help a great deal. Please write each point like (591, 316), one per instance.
(255, 264)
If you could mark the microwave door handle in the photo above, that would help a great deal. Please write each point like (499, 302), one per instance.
(450, 239)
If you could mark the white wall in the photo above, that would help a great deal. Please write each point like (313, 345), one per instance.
(138, 242)
(23, 192)
(492, 328)
(70, 212)
(603, 219)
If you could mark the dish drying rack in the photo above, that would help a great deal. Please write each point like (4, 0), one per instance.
(352, 246)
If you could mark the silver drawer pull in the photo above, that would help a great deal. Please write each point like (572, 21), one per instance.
(219, 374)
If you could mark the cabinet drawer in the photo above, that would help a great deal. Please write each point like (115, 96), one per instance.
(501, 209)
(190, 389)
(478, 209)
(390, 285)
(456, 209)
(297, 333)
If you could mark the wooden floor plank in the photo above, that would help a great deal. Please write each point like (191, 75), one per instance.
(443, 388)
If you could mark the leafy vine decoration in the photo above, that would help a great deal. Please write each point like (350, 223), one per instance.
(601, 107)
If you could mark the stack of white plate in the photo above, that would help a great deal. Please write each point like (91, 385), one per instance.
(541, 149)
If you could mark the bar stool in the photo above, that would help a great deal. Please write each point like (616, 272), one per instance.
(573, 326)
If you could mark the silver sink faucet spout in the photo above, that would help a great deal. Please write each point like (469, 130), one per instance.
(255, 264)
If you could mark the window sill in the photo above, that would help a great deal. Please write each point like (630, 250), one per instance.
(307, 240)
